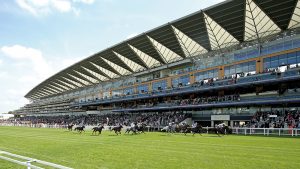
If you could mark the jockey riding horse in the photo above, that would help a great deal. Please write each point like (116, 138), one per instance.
(97, 129)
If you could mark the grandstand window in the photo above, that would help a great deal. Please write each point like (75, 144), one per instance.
(160, 85)
(283, 59)
(239, 68)
(288, 45)
(292, 58)
(298, 56)
(181, 81)
(105, 94)
(117, 93)
(143, 88)
(128, 91)
(206, 75)
(296, 43)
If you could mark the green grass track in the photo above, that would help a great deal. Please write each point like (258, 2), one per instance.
(150, 150)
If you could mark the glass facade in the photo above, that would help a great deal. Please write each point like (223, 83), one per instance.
(128, 91)
(281, 60)
(206, 75)
(143, 88)
(181, 81)
(239, 68)
(246, 54)
(116, 93)
(159, 85)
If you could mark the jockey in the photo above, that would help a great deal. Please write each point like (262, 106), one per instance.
(132, 125)
(194, 125)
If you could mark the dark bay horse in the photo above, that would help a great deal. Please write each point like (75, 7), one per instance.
(221, 130)
(185, 128)
(138, 128)
(117, 129)
(79, 129)
(97, 129)
(70, 127)
(196, 129)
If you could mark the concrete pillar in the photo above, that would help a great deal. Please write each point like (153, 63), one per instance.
(169, 82)
(221, 72)
(259, 66)
(192, 78)
(212, 124)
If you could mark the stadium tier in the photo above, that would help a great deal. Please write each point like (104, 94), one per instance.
(230, 63)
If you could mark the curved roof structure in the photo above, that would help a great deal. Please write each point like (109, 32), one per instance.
(225, 24)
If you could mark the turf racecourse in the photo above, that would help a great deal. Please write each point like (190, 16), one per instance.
(150, 150)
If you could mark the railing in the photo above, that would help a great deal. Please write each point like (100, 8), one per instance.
(28, 161)
(220, 84)
(267, 131)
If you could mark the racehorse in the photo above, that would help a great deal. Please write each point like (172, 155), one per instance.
(97, 129)
(79, 128)
(197, 129)
(221, 129)
(70, 127)
(141, 128)
(170, 128)
(117, 129)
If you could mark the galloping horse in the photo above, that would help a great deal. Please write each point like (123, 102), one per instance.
(141, 127)
(170, 128)
(221, 129)
(97, 129)
(79, 129)
(197, 129)
(70, 127)
(117, 129)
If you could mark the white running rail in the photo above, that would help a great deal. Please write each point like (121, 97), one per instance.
(267, 131)
(7, 156)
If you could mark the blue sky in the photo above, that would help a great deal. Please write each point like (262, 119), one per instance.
(40, 37)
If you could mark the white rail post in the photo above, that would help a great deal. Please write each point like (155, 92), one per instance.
(264, 131)
(206, 129)
(292, 132)
(28, 165)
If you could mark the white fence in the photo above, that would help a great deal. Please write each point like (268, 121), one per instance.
(27, 161)
(267, 131)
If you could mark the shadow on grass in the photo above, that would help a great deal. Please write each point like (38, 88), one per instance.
(95, 135)
(114, 135)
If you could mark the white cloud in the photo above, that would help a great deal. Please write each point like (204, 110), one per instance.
(1, 62)
(85, 1)
(34, 56)
(44, 7)
(24, 5)
(62, 5)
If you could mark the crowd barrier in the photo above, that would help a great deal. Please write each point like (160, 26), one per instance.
(267, 131)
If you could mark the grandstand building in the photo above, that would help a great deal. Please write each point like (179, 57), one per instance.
(222, 63)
